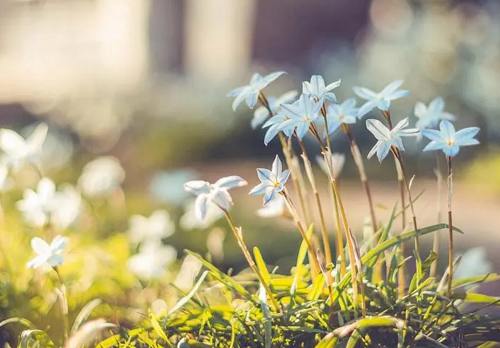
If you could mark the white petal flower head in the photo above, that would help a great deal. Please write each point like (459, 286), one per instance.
(17, 150)
(101, 177)
(66, 207)
(50, 254)
(261, 113)
(158, 226)
(276, 124)
(317, 90)
(448, 140)
(388, 138)
(334, 166)
(191, 221)
(300, 115)
(275, 208)
(430, 116)
(272, 181)
(216, 193)
(36, 206)
(152, 261)
(381, 100)
(338, 114)
(250, 93)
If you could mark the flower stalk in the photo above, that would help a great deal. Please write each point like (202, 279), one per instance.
(450, 227)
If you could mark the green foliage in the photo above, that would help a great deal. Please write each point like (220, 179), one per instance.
(224, 311)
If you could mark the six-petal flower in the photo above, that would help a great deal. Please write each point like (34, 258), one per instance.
(381, 100)
(250, 93)
(337, 114)
(272, 181)
(449, 140)
(387, 138)
(301, 115)
(429, 116)
(50, 254)
(261, 113)
(216, 193)
(317, 90)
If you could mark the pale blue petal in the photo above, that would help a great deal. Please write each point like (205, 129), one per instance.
(376, 127)
(287, 97)
(333, 125)
(330, 96)
(466, 142)
(302, 129)
(237, 91)
(37, 261)
(197, 187)
(333, 85)
(276, 168)
(58, 243)
(240, 98)
(448, 116)
(384, 105)
(373, 151)
(200, 206)
(259, 189)
(390, 88)
(270, 134)
(349, 119)
(40, 246)
(366, 108)
(447, 130)
(230, 182)
(466, 133)
(365, 93)
(437, 105)
(348, 104)
(397, 95)
(55, 260)
(432, 134)
(259, 116)
(401, 125)
(256, 78)
(306, 88)
(273, 76)
(264, 174)
(284, 176)
(222, 198)
(452, 150)
(420, 109)
(318, 85)
(269, 196)
(435, 145)
(383, 150)
(251, 100)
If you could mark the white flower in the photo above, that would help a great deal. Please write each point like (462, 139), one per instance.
(474, 262)
(275, 208)
(66, 208)
(317, 90)
(87, 333)
(17, 150)
(381, 100)
(335, 165)
(429, 116)
(36, 206)
(46, 205)
(50, 254)
(101, 177)
(387, 138)
(190, 220)
(217, 193)
(167, 187)
(157, 226)
(152, 260)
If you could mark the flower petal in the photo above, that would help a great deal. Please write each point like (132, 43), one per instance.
(366, 108)
(269, 196)
(365, 93)
(197, 187)
(222, 198)
(276, 168)
(37, 138)
(378, 129)
(452, 150)
(201, 206)
(58, 243)
(40, 246)
(466, 133)
(435, 145)
(259, 189)
(447, 130)
(383, 150)
(284, 176)
(259, 116)
(390, 88)
(432, 134)
(230, 182)
(251, 99)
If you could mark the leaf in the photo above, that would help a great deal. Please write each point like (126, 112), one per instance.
(268, 334)
(261, 265)
(316, 288)
(21, 321)
(329, 341)
(188, 297)
(157, 328)
(84, 314)
(300, 268)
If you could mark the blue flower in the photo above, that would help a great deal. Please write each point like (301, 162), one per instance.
(448, 140)
(275, 124)
(380, 100)
(429, 116)
(250, 93)
(272, 181)
(317, 90)
(338, 114)
(261, 113)
(300, 115)
(387, 138)
(217, 193)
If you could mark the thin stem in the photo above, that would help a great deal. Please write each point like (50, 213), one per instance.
(450, 227)
(64, 304)
(435, 244)
(250, 260)
(314, 262)
(312, 181)
(358, 160)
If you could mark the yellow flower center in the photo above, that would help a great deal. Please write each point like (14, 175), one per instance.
(276, 184)
(449, 143)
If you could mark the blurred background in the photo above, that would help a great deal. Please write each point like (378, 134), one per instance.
(146, 81)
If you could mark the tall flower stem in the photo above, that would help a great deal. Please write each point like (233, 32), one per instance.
(251, 262)
(435, 244)
(312, 181)
(358, 160)
(314, 262)
(450, 227)
(288, 151)
(63, 300)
